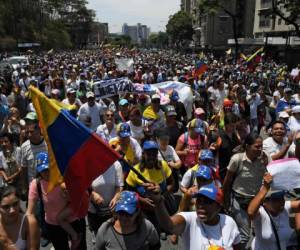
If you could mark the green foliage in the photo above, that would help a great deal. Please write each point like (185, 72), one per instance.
(209, 6)
(180, 28)
(121, 41)
(60, 23)
(158, 40)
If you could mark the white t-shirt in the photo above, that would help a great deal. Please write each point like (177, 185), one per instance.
(254, 103)
(169, 155)
(219, 96)
(106, 184)
(293, 124)
(272, 147)
(198, 235)
(94, 112)
(264, 235)
(136, 132)
(103, 132)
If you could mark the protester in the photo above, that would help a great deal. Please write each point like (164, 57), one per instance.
(271, 214)
(128, 229)
(54, 202)
(18, 230)
(107, 131)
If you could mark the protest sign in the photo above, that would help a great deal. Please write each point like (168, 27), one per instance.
(125, 64)
(107, 88)
(286, 174)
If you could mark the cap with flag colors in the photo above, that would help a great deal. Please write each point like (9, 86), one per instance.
(76, 155)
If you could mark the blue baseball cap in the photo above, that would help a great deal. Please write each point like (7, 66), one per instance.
(204, 172)
(123, 102)
(128, 202)
(148, 145)
(212, 192)
(206, 154)
(123, 130)
(197, 125)
(42, 162)
(174, 96)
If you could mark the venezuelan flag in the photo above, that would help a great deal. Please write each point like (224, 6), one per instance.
(77, 155)
(201, 67)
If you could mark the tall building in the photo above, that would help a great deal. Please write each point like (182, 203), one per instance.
(138, 33)
(268, 25)
(214, 31)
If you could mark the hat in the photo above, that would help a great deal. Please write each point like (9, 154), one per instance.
(71, 91)
(123, 102)
(42, 162)
(170, 111)
(227, 103)
(288, 90)
(204, 172)
(253, 85)
(197, 125)
(90, 94)
(174, 96)
(32, 116)
(296, 109)
(155, 96)
(275, 194)
(148, 145)
(280, 84)
(276, 93)
(283, 114)
(128, 202)
(123, 130)
(206, 154)
(199, 111)
(212, 192)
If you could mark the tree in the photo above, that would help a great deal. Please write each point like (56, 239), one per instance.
(212, 7)
(158, 40)
(180, 28)
(291, 15)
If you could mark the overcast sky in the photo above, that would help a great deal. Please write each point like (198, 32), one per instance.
(153, 13)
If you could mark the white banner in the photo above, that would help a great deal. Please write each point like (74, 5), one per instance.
(286, 174)
(107, 88)
(125, 64)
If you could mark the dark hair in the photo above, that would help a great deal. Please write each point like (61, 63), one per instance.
(135, 111)
(8, 135)
(143, 164)
(251, 138)
(278, 121)
(7, 191)
(230, 118)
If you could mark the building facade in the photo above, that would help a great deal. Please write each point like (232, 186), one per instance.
(99, 33)
(138, 33)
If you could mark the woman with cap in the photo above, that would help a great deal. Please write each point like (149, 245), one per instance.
(190, 143)
(18, 231)
(271, 216)
(245, 173)
(54, 202)
(123, 113)
(205, 228)
(126, 145)
(168, 154)
(128, 229)
(189, 178)
(154, 171)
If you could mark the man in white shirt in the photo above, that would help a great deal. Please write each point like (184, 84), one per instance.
(218, 95)
(279, 146)
(93, 110)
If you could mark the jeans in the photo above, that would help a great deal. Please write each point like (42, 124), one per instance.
(241, 218)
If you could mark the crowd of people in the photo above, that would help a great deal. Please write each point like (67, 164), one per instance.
(198, 179)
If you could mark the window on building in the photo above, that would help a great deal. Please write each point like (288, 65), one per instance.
(279, 21)
(266, 4)
(264, 21)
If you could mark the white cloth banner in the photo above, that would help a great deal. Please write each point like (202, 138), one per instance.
(286, 174)
(164, 88)
(107, 88)
(125, 64)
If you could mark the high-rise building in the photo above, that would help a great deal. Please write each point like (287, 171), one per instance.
(138, 33)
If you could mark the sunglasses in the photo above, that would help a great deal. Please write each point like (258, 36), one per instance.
(109, 115)
(8, 206)
(203, 200)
